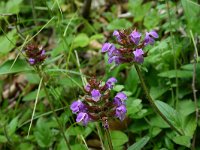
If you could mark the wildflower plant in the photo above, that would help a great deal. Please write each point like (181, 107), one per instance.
(130, 46)
(97, 105)
(35, 54)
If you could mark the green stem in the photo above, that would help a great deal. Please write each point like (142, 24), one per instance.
(152, 102)
(53, 109)
(109, 139)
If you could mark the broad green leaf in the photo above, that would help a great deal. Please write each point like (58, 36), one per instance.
(190, 126)
(138, 126)
(19, 66)
(174, 73)
(156, 92)
(182, 140)
(32, 95)
(157, 121)
(12, 126)
(25, 146)
(3, 139)
(43, 133)
(13, 6)
(133, 106)
(132, 80)
(192, 12)
(118, 138)
(139, 144)
(82, 40)
(119, 24)
(118, 88)
(138, 9)
(151, 20)
(170, 113)
(186, 107)
(7, 43)
(78, 130)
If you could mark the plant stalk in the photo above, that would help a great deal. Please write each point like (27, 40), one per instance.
(109, 139)
(53, 109)
(152, 102)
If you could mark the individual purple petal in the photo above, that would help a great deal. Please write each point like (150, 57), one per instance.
(149, 38)
(120, 98)
(43, 52)
(154, 34)
(96, 95)
(110, 82)
(87, 87)
(77, 106)
(116, 33)
(135, 37)
(138, 55)
(107, 47)
(83, 117)
(121, 112)
(31, 61)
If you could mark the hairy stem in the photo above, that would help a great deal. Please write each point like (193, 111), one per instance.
(152, 102)
(109, 139)
(53, 109)
(194, 89)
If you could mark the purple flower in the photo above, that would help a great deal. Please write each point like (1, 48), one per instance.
(87, 87)
(96, 95)
(117, 35)
(31, 61)
(150, 36)
(121, 112)
(120, 98)
(43, 52)
(110, 82)
(77, 106)
(138, 55)
(135, 37)
(108, 47)
(83, 117)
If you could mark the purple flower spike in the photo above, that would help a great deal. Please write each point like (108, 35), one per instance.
(135, 37)
(77, 106)
(96, 95)
(120, 98)
(138, 55)
(121, 112)
(83, 117)
(31, 61)
(110, 82)
(149, 38)
(107, 47)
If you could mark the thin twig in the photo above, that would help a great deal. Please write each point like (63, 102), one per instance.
(194, 89)
(152, 102)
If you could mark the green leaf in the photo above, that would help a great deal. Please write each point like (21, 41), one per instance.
(75, 130)
(3, 139)
(186, 107)
(13, 6)
(151, 20)
(133, 107)
(170, 113)
(118, 138)
(132, 80)
(174, 73)
(43, 134)
(118, 24)
(7, 43)
(19, 66)
(118, 88)
(32, 95)
(82, 40)
(12, 126)
(139, 144)
(182, 140)
(156, 92)
(192, 12)
(26, 146)
(138, 10)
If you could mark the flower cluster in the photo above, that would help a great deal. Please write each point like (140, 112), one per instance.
(96, 104)
(131, 46)
(35, 54)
